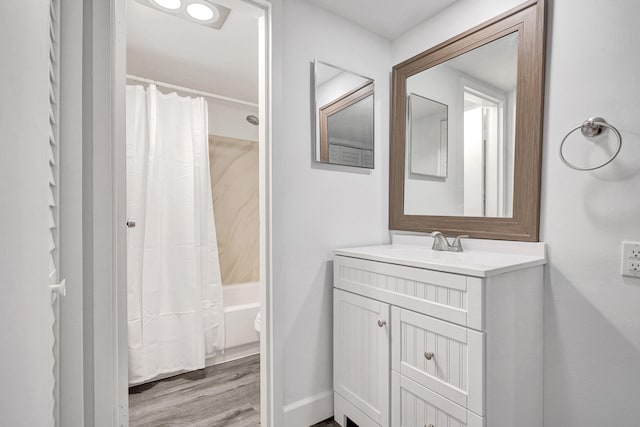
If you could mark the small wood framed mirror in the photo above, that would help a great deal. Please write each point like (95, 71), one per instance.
(343, 110)
(483, 119)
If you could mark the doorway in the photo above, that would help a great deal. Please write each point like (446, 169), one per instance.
(484, 156)
(167, 60)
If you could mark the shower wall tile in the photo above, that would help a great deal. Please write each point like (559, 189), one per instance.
(234, 183)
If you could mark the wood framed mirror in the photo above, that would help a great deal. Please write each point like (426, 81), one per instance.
(492, 80)
(343, 116)
(350, 113)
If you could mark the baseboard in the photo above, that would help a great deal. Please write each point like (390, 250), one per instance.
(234, 353)
(309, 411)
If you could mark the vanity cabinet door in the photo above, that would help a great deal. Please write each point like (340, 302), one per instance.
(361, 354)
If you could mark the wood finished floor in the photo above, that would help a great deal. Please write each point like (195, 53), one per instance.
(217, 396)
(327, 423)
(226, 395)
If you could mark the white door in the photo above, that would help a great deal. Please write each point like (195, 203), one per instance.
(27, 252)
(361, 354)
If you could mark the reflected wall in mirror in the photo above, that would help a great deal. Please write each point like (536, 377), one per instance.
(343, 104)
(491, 80)
(479, 88)
(428, 139)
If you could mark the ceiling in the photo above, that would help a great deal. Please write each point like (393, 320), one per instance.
(164, 47)
(386, 18)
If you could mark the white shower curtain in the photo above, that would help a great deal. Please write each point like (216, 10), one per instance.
(174, 297)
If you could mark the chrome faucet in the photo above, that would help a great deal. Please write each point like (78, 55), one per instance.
(440, 242)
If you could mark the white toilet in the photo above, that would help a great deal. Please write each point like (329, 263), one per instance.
(256, 323)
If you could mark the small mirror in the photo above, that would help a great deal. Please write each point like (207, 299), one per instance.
(427, 136)
(344, 114)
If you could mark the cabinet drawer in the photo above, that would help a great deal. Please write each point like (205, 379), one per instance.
(452, 297)
(416, 406)
(443, 357)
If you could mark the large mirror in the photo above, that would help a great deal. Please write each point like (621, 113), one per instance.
(479, 89)
(466, 132)
(343, 105)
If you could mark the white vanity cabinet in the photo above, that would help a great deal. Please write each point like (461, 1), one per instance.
(424, 338)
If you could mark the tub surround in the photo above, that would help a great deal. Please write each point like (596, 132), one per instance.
(234, 183)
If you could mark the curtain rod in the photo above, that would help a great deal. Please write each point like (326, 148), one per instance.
(191, 91)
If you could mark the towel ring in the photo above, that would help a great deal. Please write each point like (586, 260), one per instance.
(590, 128)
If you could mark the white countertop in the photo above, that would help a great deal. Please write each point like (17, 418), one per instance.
(472, 262)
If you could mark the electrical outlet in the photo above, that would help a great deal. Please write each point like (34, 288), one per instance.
(631, 259)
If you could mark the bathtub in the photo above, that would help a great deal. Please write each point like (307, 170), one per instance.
(241, 305)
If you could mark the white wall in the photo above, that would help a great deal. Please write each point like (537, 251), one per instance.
(592, 326)
(24, 210)
(230, 121)
(317, 208)
(592, 314)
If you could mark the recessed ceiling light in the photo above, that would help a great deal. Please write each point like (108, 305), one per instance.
(202, 12)
(169, 4)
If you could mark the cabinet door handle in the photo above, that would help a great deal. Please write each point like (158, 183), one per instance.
(429, 355)
(381, 323)
(429, 425)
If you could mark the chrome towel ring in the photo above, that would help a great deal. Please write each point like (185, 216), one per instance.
(590, 128)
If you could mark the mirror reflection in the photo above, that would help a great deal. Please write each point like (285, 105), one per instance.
(478, 89)
(344, 117)
(427, 136)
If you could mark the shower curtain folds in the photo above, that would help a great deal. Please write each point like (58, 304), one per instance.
(175, 310)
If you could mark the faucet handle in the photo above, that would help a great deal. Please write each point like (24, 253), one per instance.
(440, 242)
(457, 243)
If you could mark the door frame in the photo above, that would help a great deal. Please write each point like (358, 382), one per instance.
(104, 211)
